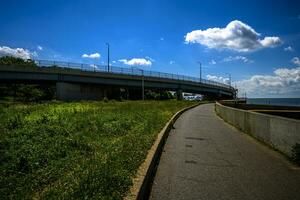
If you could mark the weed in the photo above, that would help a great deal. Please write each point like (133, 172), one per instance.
(83, 150)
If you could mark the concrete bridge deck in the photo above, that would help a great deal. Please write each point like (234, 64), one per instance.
(78, 83)
(205, 158)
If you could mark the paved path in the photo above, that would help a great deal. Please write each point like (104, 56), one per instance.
(205, 158)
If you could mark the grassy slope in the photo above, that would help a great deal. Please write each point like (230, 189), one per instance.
(86, 150)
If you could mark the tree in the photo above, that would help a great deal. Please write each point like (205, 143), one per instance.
(9, 60)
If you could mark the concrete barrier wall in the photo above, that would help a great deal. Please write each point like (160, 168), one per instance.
(278, 132)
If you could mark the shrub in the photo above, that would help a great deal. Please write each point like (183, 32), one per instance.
(29, 93)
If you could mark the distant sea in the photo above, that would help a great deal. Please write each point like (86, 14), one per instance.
(275, 101)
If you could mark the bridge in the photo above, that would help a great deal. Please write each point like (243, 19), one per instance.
(75, 81)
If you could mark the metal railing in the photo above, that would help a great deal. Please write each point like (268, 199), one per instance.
(127, 71)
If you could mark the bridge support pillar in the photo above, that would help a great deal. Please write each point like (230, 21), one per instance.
(179, 95)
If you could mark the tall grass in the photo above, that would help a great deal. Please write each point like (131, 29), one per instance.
(84, 150)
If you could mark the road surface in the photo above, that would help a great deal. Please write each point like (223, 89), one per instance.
(205, 158)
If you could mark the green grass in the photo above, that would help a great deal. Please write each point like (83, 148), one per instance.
(83, 150)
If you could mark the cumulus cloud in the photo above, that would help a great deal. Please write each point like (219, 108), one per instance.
(172, 62)
(136, 62)
(92, 56)
(296, 61)
(283, 81)
(40, 48)
(236, 36)
(17, 52)
(218, 79)
(212, 62)
(289, 48)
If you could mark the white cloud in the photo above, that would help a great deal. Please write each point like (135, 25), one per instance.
(212, 62)
(296, 61)
(289, 48)
(34, 54)
(40, 48)
(149, 58)
(218, 79)
(283, 82)
(236, 36)
(270, 41)
(136, 61)
(237, 58)
(93, 55)
(231, 59)
(172, 62)
(17, 52)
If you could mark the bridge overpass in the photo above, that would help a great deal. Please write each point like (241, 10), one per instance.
(82, 81)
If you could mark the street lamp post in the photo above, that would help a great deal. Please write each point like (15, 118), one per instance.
(200, 75)
(107, 56)
(229, 78)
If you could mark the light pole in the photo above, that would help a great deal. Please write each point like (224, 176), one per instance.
(107, 56)
(200, 75)
(229, 75)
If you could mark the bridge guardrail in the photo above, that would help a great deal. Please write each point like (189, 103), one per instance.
(128, 71)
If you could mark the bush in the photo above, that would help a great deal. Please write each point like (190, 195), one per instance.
(165, 95)
(29, 93)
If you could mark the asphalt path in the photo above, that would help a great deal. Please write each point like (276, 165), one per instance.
(205, 158)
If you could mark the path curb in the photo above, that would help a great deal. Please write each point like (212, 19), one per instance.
(146, 172)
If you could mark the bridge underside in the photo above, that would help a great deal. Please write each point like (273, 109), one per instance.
(76, 85)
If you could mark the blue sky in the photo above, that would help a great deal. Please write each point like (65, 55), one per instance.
(257, 42)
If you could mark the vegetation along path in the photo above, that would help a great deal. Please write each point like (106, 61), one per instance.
(83, 150)
(204, 158)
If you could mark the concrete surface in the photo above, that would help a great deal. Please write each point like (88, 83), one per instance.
(205, 158)
(279, 132)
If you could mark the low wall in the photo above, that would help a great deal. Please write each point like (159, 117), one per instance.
(278, 132)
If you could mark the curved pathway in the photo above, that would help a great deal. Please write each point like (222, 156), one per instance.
(205, 158)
